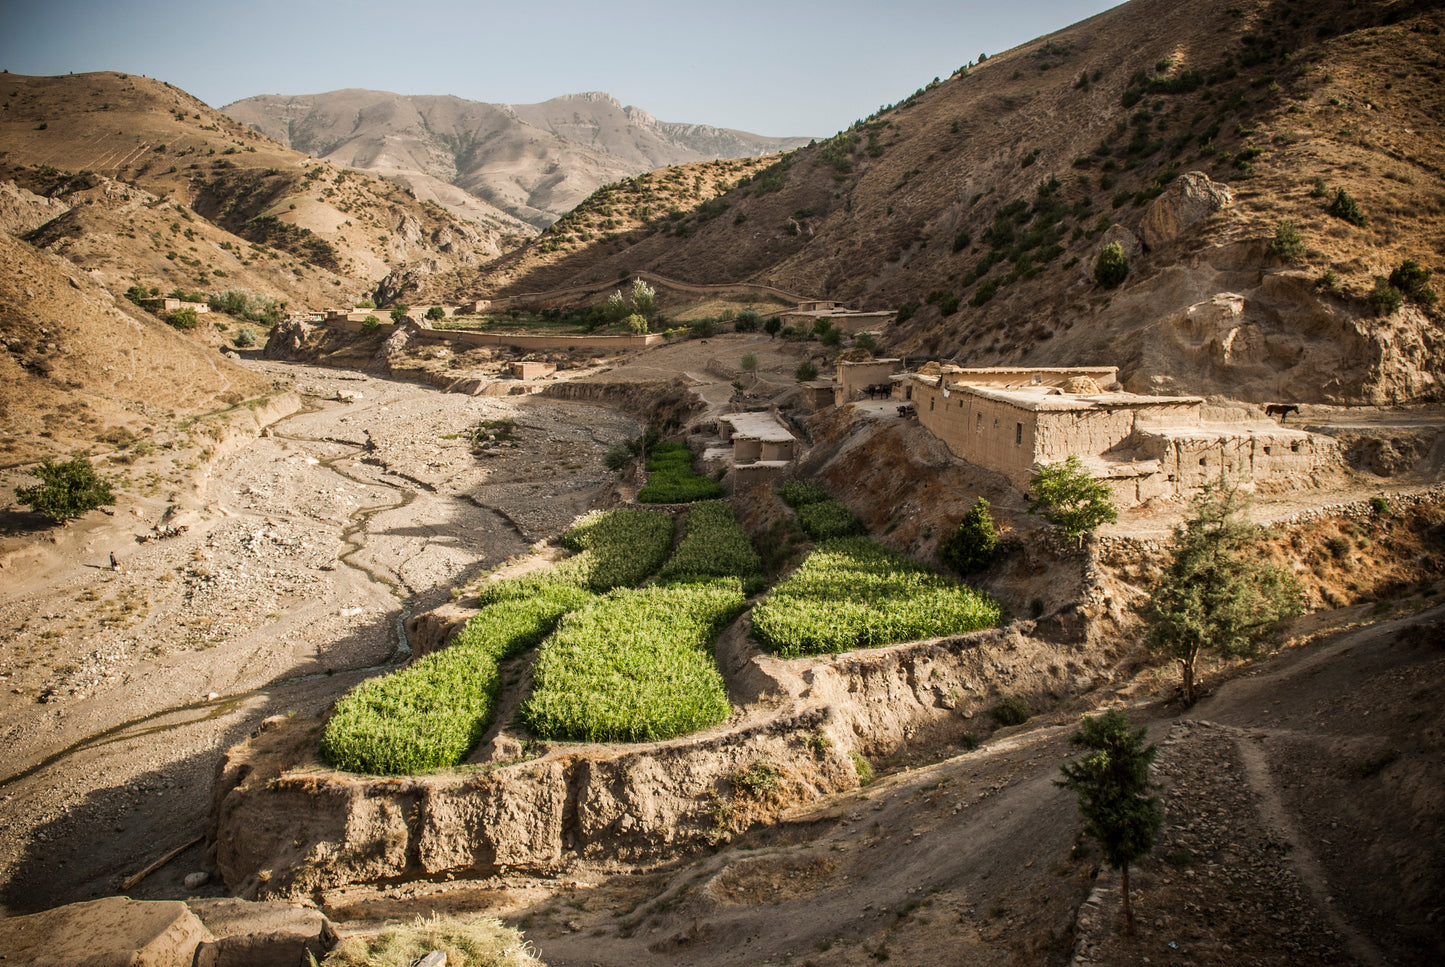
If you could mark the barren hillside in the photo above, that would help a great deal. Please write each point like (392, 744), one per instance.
(310, 232)
(529, 162)
(981, 203)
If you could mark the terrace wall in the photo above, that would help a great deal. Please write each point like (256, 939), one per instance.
(469, 337)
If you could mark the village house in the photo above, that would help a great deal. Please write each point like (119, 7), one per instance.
(170, 305)
(762, 447)
(1012, 419)
(847, 320)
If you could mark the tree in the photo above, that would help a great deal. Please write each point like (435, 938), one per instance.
(436, 313)
(1288, 243)
(1413, 279)
(67, 490)
(1217, 594)
(184, 318)
(1346, 208)
(806, 370)
(1071, 499)
(644, 300)
(398, 313)
(973, 545)
(1112, 267)
(773, 325)
(1112, 782)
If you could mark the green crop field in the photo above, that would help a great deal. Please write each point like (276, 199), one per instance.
(714, 546)
(671, 480)
(616, 549)
(636, 666)
(430, 714)
(851, 593)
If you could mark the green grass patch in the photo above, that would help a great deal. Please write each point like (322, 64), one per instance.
(714, 546)
(671, 479)
(800, 493)
(851, 593)
(636, 666)
(430, 714)
(616, 549)
(827, 519)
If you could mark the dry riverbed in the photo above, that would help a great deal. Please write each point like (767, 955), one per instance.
(302, 553)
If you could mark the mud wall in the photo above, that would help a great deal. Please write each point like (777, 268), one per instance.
(468, 337)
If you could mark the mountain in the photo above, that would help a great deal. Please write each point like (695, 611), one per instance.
(1202, 136)
(162, 191)
(530, 162)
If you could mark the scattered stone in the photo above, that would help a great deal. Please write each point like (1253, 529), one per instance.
(196, 880)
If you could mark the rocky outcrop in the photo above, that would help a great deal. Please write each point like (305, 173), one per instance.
(22, 211)
(1189, 199)
(248, 934)
(110, 931)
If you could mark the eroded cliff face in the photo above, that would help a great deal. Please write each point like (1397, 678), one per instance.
(282, 824)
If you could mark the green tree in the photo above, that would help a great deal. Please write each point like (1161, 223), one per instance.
(1115, 801)
(67, 490)
(436, 313)
(1413, 279)
(370, 324)
(773, 325)
(749, 362)
(1112, 267)
(617, 308)
(806, 370)
(398, 313)
(1346, 208)
(1384, 298)
(748, 321)
(1218, 594)
(644, 300)
(184, 318)
(1068, 497)
(636, 324)
(973, 545)
(1288, 243)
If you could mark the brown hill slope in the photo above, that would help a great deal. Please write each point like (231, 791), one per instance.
(78, 365)
(531, 162)
(313, 234)
(996, 188)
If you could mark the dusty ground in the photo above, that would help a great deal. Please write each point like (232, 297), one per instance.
(304, 552)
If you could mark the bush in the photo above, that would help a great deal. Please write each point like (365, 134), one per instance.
(398, 313)
(366, 304)
(1071, 499)
(483, 942)
(1011, 711)
(827, 519)
(67, 490)
(861, 766)
(1413, 279)
(748, 321)
(635, 324)
(1329, 282)
(865, 340)
(245, 305)
(1288, 244)
(772, 326)
(852, 593)
(798, 493)
(435, 313)
(183, 319)
(1380, 506)
(370, 324)
(973, 545)
(749, 362)
(245, 337)
(1112, 268)
(806, 370)
(1346, 208)
(1384, 298)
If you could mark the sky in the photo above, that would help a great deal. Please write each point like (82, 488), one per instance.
(783, 68)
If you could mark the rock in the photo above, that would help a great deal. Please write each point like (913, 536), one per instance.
(1190, 198)
(196, 880)
(100, 933)
(269, 934)
(434, 959)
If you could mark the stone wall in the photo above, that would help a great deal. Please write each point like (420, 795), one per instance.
(469, 337)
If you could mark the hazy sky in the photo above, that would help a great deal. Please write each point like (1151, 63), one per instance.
(785, 67)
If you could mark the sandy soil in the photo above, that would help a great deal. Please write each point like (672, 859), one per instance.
(302, 555)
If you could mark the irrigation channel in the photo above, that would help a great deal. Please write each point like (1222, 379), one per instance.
(367, 513)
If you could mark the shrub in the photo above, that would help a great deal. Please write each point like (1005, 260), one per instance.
(1329, 282)
(1384, 298)
(747, 321)
(398, 313)
(245, 305)
(806, 370)
(973, 545)
(749, 362)
(435, 313)
(827, 519)
(370, 324)
(1071, 499)
(484, 942)
(863, 767)
(1112, 268)
(865, 340)
(245, 337)
(183, 319)
(1380, 506)
(851, 593)
(772, 326)
(366, 304)
(635, 324)
(798, 493)
(636, 666)
(1413, 279)
(1011, 711)
(67, 490)
(1288, 243)
(1346, 208)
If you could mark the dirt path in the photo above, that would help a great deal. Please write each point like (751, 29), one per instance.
(302, 556)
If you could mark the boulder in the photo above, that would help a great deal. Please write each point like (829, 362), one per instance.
(111, 932)
(247, 933)
(1188, 199)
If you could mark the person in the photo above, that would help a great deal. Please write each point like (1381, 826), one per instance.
(114, 564)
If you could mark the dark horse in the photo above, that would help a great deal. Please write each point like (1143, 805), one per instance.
(1281, 410)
